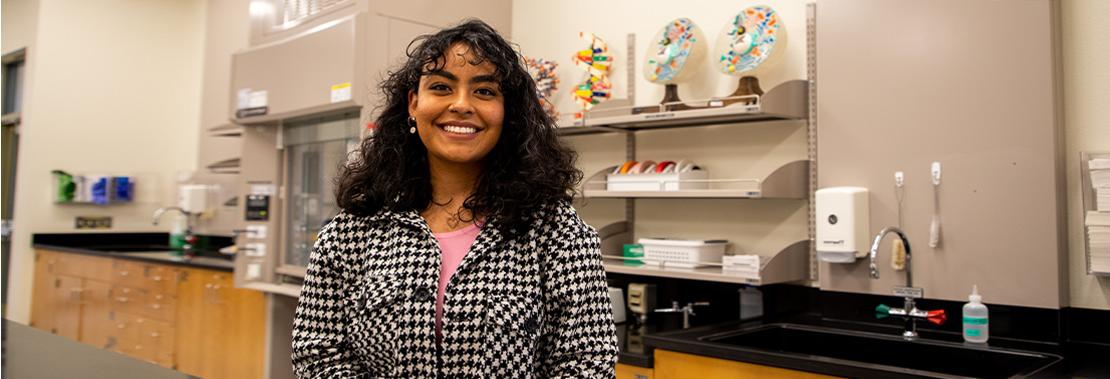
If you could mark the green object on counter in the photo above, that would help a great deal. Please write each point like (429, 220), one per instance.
(633, 250)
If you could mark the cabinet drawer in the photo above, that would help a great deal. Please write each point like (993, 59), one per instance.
(161, 278)
(128, 273)
(129, 300)
(146, 339)
(159, 306)
(83, 266)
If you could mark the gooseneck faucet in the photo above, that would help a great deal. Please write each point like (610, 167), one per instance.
(686, 311)
(190, 239)
(909, 310)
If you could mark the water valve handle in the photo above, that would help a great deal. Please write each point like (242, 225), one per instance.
(882, 310)
(937, 317)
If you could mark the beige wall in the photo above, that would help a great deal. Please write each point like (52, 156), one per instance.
(115, 90)
(1086, 64)
(20, 19)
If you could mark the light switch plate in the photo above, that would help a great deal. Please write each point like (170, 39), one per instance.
(256, 249)
(256, 231)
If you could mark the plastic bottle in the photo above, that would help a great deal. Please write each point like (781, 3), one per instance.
(177, 234)
(976, 318)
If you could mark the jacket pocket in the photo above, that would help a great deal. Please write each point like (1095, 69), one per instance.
(513, 326)
(375, 317)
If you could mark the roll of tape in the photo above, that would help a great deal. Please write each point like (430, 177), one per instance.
(663, 166)
(626, 167)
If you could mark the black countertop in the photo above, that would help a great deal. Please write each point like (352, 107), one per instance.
(1079, 359)
(145, 247)
(31, 353)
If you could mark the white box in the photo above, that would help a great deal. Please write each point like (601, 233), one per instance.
(843, 219)
(682, 253)
(657, 182)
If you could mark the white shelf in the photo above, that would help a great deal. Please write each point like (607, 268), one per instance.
(787, 101)
(789, 181)
(789, 265)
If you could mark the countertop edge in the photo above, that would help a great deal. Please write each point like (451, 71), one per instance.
(107, 254)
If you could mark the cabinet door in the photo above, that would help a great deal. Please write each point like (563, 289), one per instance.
(97, 326)
(673, 365)
(633, 372)
(193, 317)
(240, 329)
(42, 294)
(67, 307)
(220, 329)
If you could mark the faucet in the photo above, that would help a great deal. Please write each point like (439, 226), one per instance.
(909, 311)
(687, 311)
(190, 238)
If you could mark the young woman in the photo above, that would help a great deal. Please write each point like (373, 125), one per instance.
(457, 252)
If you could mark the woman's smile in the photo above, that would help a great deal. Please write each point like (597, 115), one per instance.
(458, 108)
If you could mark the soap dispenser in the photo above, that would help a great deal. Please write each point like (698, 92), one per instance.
(976, 318)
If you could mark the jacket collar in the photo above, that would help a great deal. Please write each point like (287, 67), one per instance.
(490, 234)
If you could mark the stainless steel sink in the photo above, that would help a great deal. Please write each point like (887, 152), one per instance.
(922, 357)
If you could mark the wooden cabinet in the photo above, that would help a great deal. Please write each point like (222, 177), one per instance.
(674, 365)
(190, 319)
(235, 323)
(633, 372)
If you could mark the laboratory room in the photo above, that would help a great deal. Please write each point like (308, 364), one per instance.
(277, 189)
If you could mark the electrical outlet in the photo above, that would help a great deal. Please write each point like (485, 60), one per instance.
(254, 271)
(255, 249)
(89, 222)
(256, 231)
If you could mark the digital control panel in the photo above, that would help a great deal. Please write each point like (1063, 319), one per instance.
(258, 207)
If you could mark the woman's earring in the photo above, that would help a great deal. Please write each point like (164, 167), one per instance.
(412, 125)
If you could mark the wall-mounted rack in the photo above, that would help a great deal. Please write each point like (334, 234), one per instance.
(786, 101)
(791, 180)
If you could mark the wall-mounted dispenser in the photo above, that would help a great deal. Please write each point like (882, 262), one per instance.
(842, 224)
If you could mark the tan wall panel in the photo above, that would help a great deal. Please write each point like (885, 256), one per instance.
(905, 83)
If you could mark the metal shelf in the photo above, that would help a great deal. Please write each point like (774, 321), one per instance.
(787, 101)
(789, 265)
(789, 181)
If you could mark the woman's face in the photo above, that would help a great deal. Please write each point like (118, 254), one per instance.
(458, 109)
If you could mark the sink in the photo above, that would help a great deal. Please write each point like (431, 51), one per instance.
(887, 352)
(128, 248)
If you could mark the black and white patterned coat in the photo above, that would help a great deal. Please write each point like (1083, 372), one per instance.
(534, 306)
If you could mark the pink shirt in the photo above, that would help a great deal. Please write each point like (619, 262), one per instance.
(454, 246)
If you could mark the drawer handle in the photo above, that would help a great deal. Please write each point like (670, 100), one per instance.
(138, 347)
(123, 273)
(122, 299)
(157, 297)
(157, 278)
(126, 290)
(156, 306)
(121, 326)
(155, 334)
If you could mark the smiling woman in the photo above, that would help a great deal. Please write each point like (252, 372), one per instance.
(457, 252)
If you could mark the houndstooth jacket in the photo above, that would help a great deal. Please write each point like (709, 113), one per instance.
(534, 306)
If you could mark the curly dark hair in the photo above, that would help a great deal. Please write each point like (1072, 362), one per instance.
(528, 168)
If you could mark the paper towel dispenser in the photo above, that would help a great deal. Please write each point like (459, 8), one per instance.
(842, 224)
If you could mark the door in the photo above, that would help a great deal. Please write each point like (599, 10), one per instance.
(13, 103)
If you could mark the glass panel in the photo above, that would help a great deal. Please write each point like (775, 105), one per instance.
(310, 176)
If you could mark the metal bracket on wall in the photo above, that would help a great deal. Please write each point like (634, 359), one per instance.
(811, 72)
